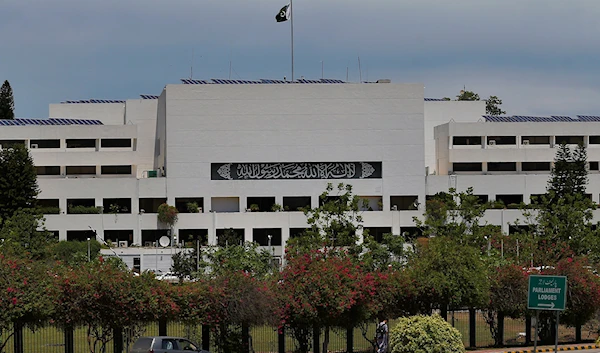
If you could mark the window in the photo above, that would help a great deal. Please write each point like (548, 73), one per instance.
(466, 140)
(535, 166)
(260, 204)
(169, 343)
(44, 144)
(261, 236)
(80, 235)
(48, 206)
(116, 169)
(117, 205)
(370, 203)
(502, 166)
(117, 236)
(11, 143)
(82, 206)
(150, 205)
(502, 140)
(230, 236)
(510, 199)
(296, 232)
(191, 235)
(185, 345)
(296, 203)
(81, 143)
(190, 204)
(150, 237)
(404, 202)
(466, 167)
(48, 170)
(535, 140)
(593, 165)
(225, 204)
(569, 140)
(483, 198)
(326, 199)
(377, 232)
(594, 140)
(81, 170)
(115, 143)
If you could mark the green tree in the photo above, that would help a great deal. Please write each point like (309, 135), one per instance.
(7, 102)
(449, 275)
(456, 215)
(569, 175)
(465, 95)
(74, 253)
(492, 106)
(25, 236)
(18, 182)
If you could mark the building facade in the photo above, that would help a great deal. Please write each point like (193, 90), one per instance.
(249, 154)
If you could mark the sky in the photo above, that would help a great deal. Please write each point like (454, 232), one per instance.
(541, 57)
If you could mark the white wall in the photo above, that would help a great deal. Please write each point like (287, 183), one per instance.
(108, 113)
(442, 112)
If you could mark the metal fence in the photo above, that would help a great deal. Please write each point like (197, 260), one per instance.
(266, 339)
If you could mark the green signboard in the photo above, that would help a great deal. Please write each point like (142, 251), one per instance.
(547, 292)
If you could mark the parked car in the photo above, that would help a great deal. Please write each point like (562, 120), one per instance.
(165, 344)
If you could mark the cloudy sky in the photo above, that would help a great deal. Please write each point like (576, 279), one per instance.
(539, 56)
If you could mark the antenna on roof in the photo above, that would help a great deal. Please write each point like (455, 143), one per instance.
(359, 70)
(192, 65)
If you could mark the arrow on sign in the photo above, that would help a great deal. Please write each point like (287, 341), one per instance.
(551, 305)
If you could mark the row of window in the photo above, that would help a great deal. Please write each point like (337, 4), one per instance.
(150, 237)
(525, 140)
(218, 204)
(71, 143)
(85, 170)
(509, 166)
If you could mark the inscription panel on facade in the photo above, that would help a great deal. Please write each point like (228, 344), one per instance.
(299, 170)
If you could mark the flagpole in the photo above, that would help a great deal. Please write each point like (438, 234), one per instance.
(292, 30)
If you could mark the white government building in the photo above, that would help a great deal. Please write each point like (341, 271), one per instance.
(236, 148)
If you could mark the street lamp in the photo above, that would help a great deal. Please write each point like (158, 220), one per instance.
(89, 252)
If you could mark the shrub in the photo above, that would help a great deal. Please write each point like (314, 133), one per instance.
(49, 210)
(425, 334)
(192, 207)
(84, 209)
(167, 214)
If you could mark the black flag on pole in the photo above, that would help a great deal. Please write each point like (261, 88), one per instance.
(284, 14)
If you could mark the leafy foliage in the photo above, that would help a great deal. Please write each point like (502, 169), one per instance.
(569, 174)
(323, 290)
(448, 274)
(25, 296)
(73, 252)
(103, 297)
(492, 106)
(7, 101)
(18, 182)
(167, 214)
(425, 334)
(25, 236)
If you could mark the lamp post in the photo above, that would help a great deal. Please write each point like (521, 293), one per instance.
(89, 252)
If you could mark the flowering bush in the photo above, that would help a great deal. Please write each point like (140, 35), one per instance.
(105, 297)
(25, 294)
(324, 291)
(425, 334)
(167, 214)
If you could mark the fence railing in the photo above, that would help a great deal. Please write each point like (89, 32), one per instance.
(267, 339)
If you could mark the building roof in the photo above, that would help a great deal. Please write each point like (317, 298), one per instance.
(540, 119)
(50, 121)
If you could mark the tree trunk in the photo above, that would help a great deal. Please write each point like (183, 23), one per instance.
(444, 312)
